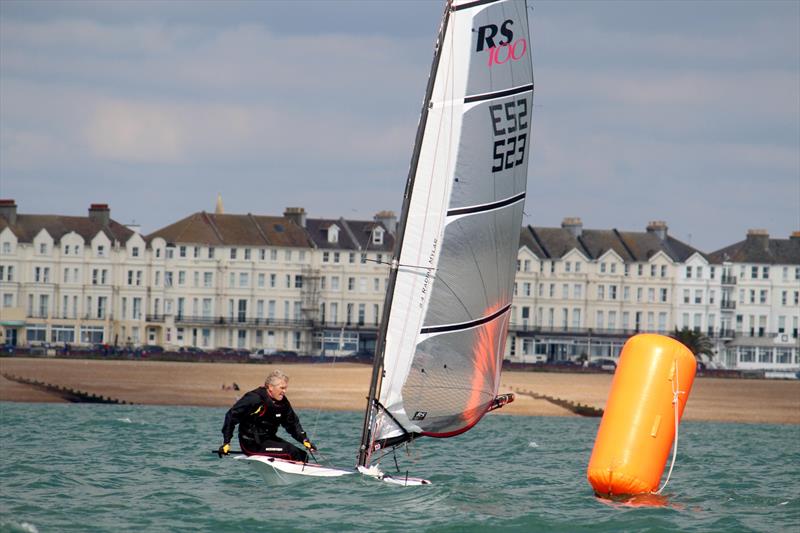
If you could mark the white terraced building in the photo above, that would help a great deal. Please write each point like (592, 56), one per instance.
(316, 286)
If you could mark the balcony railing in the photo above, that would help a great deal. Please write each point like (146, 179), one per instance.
(728, 280)
(241, 322)
(727, 305)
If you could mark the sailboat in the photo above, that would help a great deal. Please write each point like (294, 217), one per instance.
(440, 348)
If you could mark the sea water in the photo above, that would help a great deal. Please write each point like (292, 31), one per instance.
(81, 467)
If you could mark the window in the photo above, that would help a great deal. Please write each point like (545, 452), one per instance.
(182, 251)
(261, 280)
(688, 272)
(698, 296)
(298, 281)
(351, 284)
(601, 292)
(196, 253)
(273, 280)
(377, 236)
(211, 252)
(699, 272)
(6, 247)
(244, 279)
(664, 293)
(613, 268)
(663, 271)
(765, 272)
(100, 251)
(602, 268)
(325, 257)
(43, 248)
(247, 254)
(233, 253)
(181, 278)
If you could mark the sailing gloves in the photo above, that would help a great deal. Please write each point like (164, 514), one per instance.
(224, 449)
(309, 446)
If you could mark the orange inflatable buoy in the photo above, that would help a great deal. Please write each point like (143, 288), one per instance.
(638, 426)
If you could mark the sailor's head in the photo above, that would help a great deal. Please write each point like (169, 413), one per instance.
(277, 382)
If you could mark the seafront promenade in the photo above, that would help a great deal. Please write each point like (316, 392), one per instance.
(343, 386)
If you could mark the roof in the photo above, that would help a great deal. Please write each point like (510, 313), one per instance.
(761, 249)
(631, 246)
(26, 227)
(234, 230)
(353, 235)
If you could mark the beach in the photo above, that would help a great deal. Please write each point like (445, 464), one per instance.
(343, 387)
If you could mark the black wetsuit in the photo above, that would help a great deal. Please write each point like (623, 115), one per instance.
(258, 416)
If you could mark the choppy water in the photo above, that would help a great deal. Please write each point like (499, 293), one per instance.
(138, 468)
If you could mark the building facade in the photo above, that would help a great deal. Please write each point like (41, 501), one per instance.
(317, 286)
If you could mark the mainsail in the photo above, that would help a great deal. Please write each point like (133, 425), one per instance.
(440, 350)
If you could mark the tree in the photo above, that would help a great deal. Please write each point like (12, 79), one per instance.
(698, 343)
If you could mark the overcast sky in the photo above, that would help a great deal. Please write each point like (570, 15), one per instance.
(687, 112)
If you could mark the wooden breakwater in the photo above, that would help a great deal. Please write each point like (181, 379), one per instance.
(68, 394)
(577, 408)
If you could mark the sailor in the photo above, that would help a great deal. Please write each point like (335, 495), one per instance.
(258, 414)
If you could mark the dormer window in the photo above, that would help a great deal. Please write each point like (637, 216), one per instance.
(101, 251)
(43, 248)
(333, 233)
(135, 251)
(377, 235)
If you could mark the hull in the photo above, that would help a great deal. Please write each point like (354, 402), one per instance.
(281, 472)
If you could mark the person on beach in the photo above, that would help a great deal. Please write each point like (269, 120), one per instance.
(258, 414)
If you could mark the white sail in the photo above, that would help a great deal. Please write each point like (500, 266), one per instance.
(449, 303)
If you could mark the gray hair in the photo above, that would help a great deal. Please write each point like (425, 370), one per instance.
(275, 377)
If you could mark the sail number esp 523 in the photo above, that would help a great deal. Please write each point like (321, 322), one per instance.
(510, 125)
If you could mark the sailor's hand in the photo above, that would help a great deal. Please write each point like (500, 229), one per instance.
(225, 449)
(309, 446)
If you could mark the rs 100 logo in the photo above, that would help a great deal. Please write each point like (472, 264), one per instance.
(505, 48)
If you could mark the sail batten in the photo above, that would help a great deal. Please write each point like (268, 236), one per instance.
(440, 349)
(498, 94)
(464, 325)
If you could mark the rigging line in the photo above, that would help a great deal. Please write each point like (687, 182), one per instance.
(676, 403)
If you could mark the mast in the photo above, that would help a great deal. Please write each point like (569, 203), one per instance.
(380, 345)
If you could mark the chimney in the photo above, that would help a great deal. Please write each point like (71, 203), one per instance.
(100, 213)
(759, 238)
(388, 219)
(219, 209)
(659, 228)
(296, 215)
(573, 225)
(8, 209)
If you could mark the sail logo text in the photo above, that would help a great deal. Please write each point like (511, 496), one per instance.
(428, 276)
(503, 50)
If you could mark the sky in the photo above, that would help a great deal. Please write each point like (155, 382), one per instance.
(686, 112)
